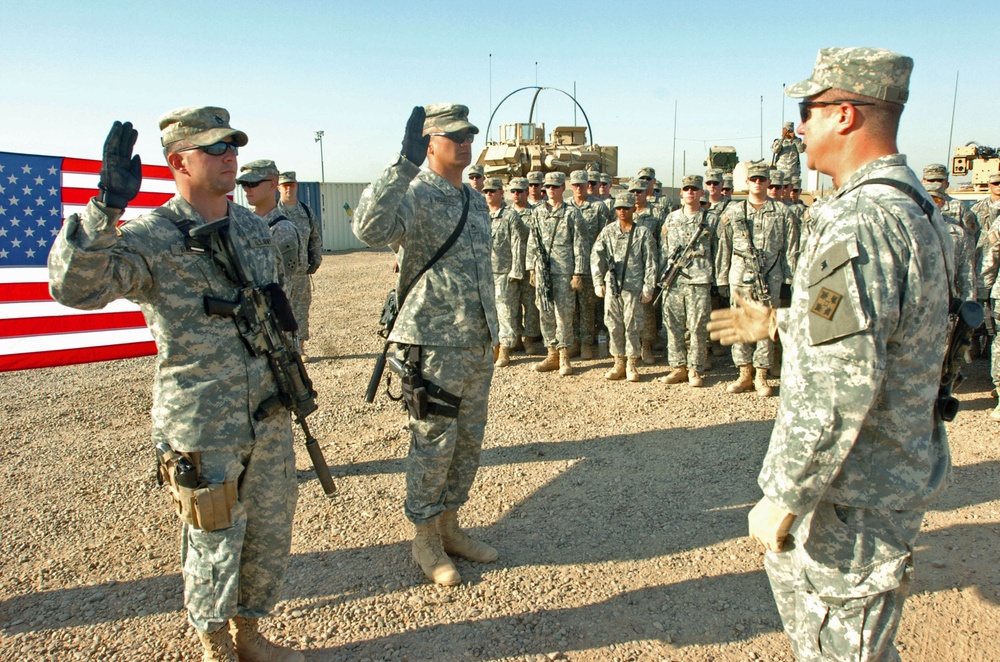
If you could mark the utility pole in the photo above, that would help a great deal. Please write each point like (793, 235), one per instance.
(762, 127)
(322, 171)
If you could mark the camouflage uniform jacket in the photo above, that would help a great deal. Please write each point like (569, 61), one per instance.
(963, 280)
(505, 230)
(963, 215)
(640, 272)
(720, 206)
(595, 216)
(678, 231)
(206, 385)
(788, 150)
(772, 232)
(986, 212)
(864, 339)
(414, 212)
(559, 232)
(524, 217)
(650, 218)
(308, 226)
(289, 245)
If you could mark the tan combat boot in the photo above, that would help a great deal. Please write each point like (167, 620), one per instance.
(586, 352)
(760, 383)
(531, 346)
(647, 353)
(218, 646)
(618, 371)
(631, 370)
(251, 646)
(574, 350)
(549, 363)
(430, 556)
(695, 380)
(995, 414)
(503, 358)
(565, 366)
(676, 376)
(496, 354)
(518, 344)
(457, 543)
(744, 382)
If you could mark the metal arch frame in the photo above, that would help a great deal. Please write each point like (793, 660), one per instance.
(531, 113)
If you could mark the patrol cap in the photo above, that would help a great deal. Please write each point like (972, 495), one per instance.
(704, 197)
(935, 171)
(536, 177)
(626, 200)
(788, 125)
(657, 185)
(646, 172)
(199, 125)
(758, 169)
(258, 171)
(727, 180)
(870, 72)
(713, 175)
(605, 178)
(447, 118)
(518, 184)
(555, 179)
(287, 177)
(936, 189)
(691, 180)
(475, 170)
(636, 185)
(493, 184)
(593, 176)
(995, 178)
(796, 183)
(578, 177)
(777, 177)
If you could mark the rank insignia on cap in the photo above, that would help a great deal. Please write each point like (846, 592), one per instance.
(826, 304)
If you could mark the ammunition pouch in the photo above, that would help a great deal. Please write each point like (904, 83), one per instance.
(417, 391)
(209, 506)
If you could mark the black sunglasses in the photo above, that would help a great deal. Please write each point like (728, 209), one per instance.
(806, 106)
(756, 179)
(247, 185)
(690, 188)
(475, 176)
(456, 137)
(215, 149)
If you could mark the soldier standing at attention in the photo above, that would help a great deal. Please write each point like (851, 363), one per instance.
(763, 227)
(557, 243)
(605, 191)
(593, 188)
(713, 184)
(687, 303)
(308, 225)
(536, 196)
(795, 188)
(507, 269)
(446, 326)
(962, 277)
(787, 149)
(727, 185)
(594, 216)
(649, 218)
(630, 248)
(849, 475)
(936, 173)
(988, 210)
(525, 319)
(207, 384)
(776, 182)
(476, 177)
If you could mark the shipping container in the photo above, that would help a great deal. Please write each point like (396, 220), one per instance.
(338, 202)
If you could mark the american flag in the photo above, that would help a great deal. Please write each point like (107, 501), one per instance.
(36, 194)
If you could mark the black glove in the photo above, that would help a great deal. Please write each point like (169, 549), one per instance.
(121, 173)
(724, 291)
(785, 293)
(414, 142)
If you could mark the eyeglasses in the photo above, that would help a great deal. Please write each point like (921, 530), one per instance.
(530, 185)
(713, 183)
(215, 149)
(645, 179)
(934, 180)
(552, 186)
(806, 106)
(772, 185)
(475, 176)
(458, 137)
(690, 188)
(247, 185)
(756, 179)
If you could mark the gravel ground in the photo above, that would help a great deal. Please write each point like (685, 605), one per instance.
(619, 511)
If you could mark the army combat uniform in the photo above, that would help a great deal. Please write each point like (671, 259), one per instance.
(311, 256)
(558, 231)
(206, 388)
(623, 316)
(594, 215)
(507, 271)
(650, 218)
(525, 321)
(449, 312)
(788, 150)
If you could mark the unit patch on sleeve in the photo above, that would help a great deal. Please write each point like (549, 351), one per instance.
(826, 304)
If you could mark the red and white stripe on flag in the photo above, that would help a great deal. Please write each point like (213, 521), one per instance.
(36, 194)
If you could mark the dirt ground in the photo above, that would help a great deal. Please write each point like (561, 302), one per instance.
(619, 511)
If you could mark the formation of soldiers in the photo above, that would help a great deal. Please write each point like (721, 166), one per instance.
(557, 256)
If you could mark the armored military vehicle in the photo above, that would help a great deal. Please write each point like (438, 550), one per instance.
(722, 157)
(976, 160)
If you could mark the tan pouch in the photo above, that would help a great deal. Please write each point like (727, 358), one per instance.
(208, 507)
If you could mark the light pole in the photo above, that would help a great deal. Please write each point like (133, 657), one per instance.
(322, 171)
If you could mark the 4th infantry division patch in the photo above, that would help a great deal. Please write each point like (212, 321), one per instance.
(826, 303)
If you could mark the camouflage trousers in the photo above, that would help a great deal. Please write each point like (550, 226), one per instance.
(508, 307)
(647, 332)
(994, 351)
(585, 318)
(239, 571)
(624, 321)
(444, 452)
(840, 588)
(557, 324)
(761, 353)
(301, 298)
(525, 321)
(686, 309)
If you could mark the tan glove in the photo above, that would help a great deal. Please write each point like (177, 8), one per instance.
(599, 291)
(748, 322)
(531, 278)
(769, 524)
(576, 283)
(646, 298)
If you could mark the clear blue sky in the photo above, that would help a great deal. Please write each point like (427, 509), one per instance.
(354, 70)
